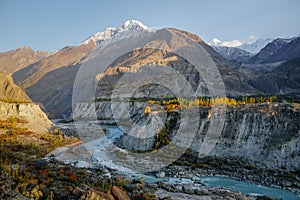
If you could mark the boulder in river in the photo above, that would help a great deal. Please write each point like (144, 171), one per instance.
(161, 175)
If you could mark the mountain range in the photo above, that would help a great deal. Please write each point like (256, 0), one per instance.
(14, 60)
(278, 50)
(261, 51)
(252, 47)
(48, 78)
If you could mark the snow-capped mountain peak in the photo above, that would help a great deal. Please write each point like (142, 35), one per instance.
(233, 43)
(217, 42)
(252, 47)
(109, 32)
(256, 46)
(134, 24)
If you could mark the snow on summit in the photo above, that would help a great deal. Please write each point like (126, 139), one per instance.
(252, 47)
(111, 31)
(233, 43)
(217, 42)
(134, 24)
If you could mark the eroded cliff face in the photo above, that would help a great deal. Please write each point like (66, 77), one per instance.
(266, 134)
(37, 120)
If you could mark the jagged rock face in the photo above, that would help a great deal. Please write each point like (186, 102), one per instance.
(37, 120)
(266, 135)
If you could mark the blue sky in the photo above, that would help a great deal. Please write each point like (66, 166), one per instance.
(51, 25)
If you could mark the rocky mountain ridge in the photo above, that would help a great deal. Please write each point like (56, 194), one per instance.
(14, 60)
(50, 80)
(278, 50)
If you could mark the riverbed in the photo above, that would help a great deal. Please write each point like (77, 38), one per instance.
(99, 155)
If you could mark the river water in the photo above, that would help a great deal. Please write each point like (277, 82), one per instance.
(248, 188)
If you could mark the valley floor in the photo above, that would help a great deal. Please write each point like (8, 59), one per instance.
(27, 173)
(187, 176)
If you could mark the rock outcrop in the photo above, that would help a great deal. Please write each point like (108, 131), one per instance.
(92, 194)
(36, 120)
(119, 194)
(10, 92)
(15, 104)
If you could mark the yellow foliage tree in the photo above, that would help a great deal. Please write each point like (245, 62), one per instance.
(61, 139)
(147, 110)
(252, 100)
(151, 102)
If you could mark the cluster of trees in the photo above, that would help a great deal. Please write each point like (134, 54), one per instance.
(162, 138)
(177, 103)
(11, 100)
(204, 101)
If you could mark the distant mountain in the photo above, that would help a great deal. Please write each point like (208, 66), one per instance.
(288, 51)
(109, 32)
(14, 60)
(233, 53)
(217, 42)
(238, 51)
(262, 51)
(30, 75)
(255, 47)
(281, 80)
(10, 92)
(278, 50)
(251, 47)
(50, 80)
